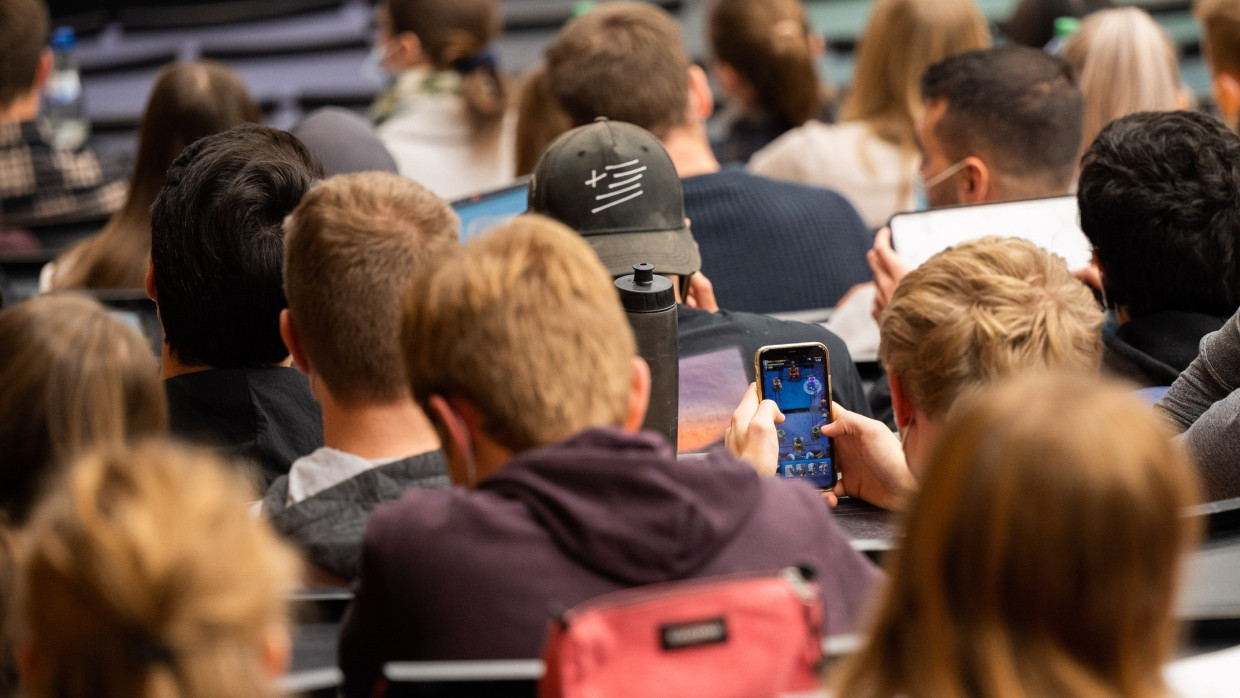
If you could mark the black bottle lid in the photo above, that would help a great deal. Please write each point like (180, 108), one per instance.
(643, 291)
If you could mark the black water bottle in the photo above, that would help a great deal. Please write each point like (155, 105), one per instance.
(650, 304)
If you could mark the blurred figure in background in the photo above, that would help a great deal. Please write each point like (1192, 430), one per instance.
(1126, 63)
(444, 117)
(1036, 561)
(1220, 45)
(144, 577)
(871, 155)
(1033, 21)
(539, 119)
(188, 101)
(764, 59)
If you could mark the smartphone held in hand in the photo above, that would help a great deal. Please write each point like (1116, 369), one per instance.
(798, 378)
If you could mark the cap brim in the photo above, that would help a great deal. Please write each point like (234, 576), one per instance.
(670, 251)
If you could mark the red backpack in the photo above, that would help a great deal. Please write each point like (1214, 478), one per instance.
(747, 636)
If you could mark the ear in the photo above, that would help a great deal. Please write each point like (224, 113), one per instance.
(277, 651)
(732, 82)
(900, 405)
(151, 291)
(44, 68)
(405, 51)
(701, 102)
(288, 331)
(454, 436)
(975, 184)
(817, 45)
(1227, 95)
(639, 396)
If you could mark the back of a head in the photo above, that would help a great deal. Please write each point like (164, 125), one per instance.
(1017, 108)
(354, 244)
(343, 142)
(539, 119)
(1126, 63)
(145, 576)
(1158, 201)
(23, 38)
(886, 92)
(1220, 22)
(767, 42)
(74, 378)
(982, 310)
(1041, 555)
(625, 61)
(217, 245)
(526, 324)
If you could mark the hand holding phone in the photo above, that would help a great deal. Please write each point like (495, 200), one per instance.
(797, 378)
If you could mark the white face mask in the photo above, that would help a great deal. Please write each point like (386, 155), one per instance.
(373, 69)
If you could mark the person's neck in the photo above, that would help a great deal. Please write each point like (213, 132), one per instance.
(170, 366)
(373, 431)
(24, 108)
(690, 151)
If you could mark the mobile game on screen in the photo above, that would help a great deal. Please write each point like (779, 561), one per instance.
(798, 384)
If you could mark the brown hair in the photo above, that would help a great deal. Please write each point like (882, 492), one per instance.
(886, 89)
(767, 42)
(512, 323)
(74, 377)
(144, 576)
(23, 38)
(352, 246)
(1040, 558)
(1220, 20)
(454, 33)
(981, 310)
(624, 61)
(539, 119)
(1126, 64)
(188, 101)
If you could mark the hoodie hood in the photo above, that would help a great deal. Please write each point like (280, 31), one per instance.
(623, 506)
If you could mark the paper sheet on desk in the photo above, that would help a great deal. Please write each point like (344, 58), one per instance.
(1213, 675)
(853, 323)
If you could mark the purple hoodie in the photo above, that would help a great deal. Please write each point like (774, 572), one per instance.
(460, 574)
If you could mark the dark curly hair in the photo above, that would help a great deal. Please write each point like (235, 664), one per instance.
(1159, 196)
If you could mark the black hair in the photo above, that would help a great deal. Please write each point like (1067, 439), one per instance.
(1018, 106)
(217, 245)
(1159, 196)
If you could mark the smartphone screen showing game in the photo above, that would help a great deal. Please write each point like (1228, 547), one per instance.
(797, 377)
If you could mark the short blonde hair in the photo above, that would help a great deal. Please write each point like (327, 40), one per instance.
(525, 324)
(886, 89)
(144, 575)
(983, 309)
(1042, 554)
(352, 247)
(1220, 20)
(1126, 63)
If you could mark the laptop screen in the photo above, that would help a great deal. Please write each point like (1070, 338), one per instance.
(489, 208)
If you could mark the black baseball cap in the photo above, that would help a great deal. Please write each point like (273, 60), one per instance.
(614, 184)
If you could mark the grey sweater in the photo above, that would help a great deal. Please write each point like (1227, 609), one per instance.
(1204, 403)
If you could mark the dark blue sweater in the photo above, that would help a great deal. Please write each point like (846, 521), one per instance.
(771, 246)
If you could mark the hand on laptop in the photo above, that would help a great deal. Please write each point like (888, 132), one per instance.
(887, 268)
(870, 460)
(751, 435)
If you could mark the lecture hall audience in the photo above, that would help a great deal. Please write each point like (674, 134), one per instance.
(462, 438)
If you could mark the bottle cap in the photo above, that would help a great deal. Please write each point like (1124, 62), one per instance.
(643, 291)
(1066, 27)
(63, 37)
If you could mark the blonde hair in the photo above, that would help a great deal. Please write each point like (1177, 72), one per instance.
(901, 40)
(981, 310)
(74, 377)
(767, 42)
(145, 576)
(1220, 20)
(352, 247)
(1041, 556)
(1126, 63)
(525, 323)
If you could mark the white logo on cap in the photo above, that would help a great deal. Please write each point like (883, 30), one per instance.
(628, 182)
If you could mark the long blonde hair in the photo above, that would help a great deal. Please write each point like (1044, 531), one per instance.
(1041, 556)
(144, 576)
(1126, 63)
(901, 40)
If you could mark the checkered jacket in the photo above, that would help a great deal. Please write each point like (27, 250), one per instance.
(41, 185)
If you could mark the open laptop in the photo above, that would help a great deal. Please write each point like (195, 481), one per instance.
(483, 210)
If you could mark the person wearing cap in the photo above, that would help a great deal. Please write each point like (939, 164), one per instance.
(526, 363)
(768, 246)
(617, 186)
